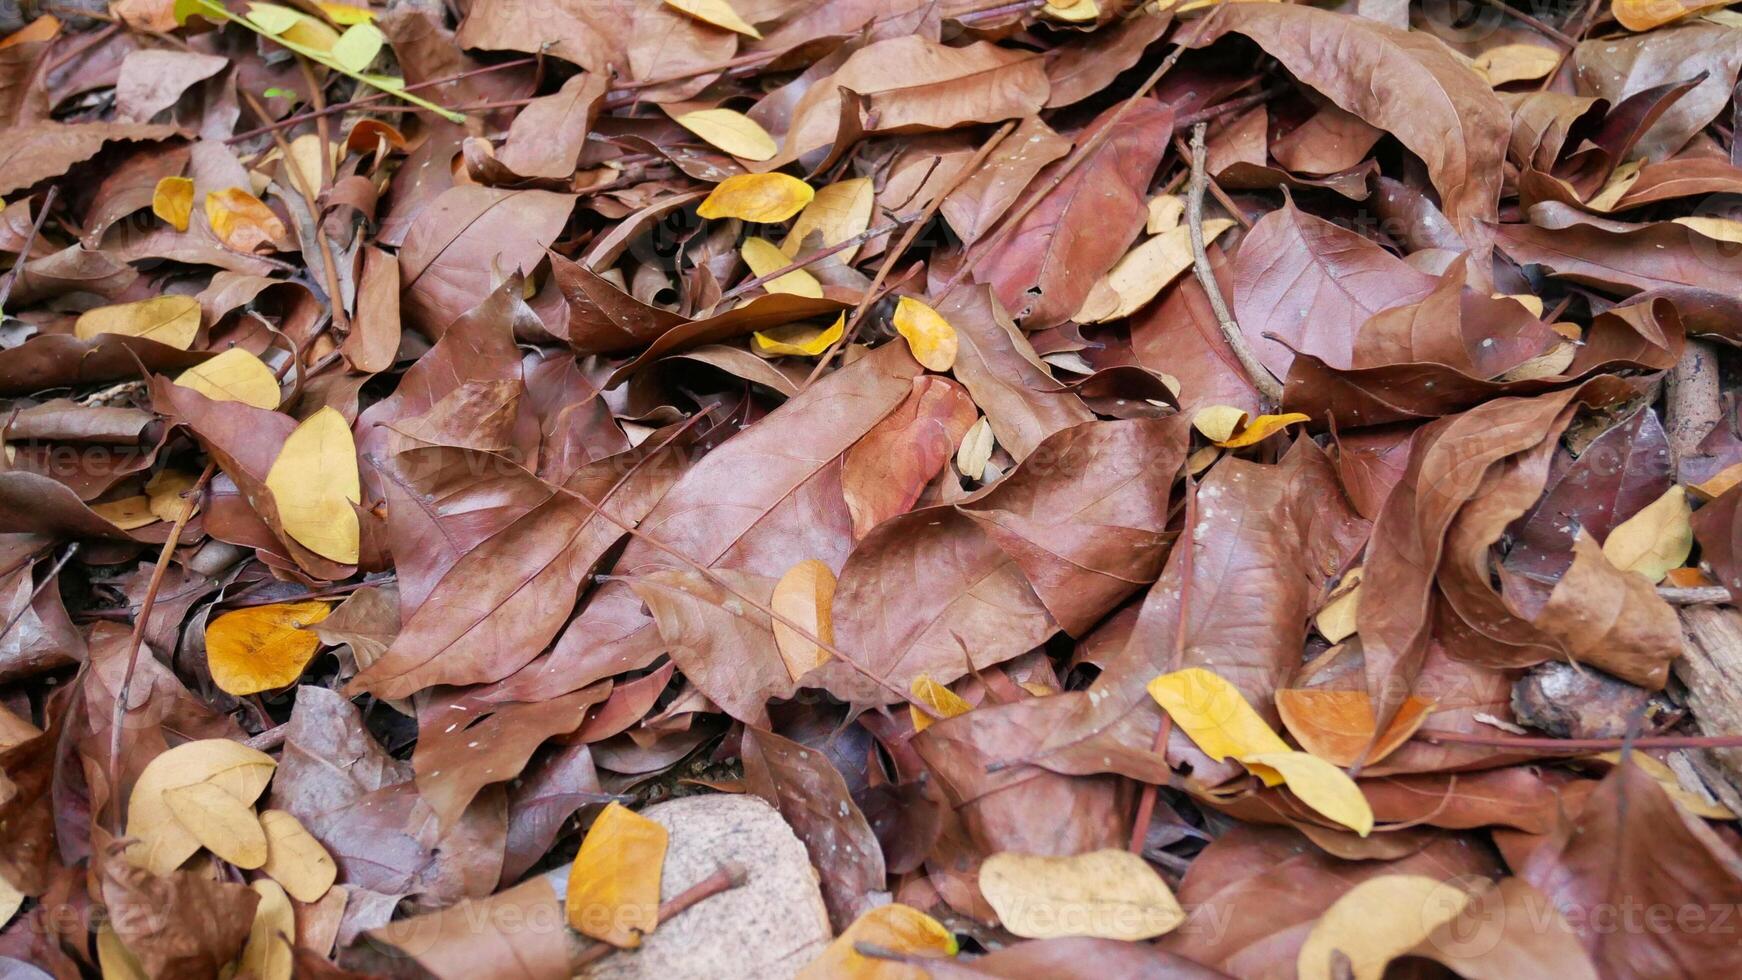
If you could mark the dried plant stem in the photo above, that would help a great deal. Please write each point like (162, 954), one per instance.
(1580, 746)
(190, 500)
(725, 878)
(59, 564)
(17, 270)
(1261, 378)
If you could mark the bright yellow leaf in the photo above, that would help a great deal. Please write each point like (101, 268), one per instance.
(221, 823)
(762, 198)
(1218, 422)
(805, 595)
(126, 513)
(346, 14)
(294, 858)
(718, 13)
(1643, 15)
(267, 954)
(837, 213)
(763, 257)
(1320, 785)
(261, 648)
(614, 883)
(173, 201)
(731, 131)
(315, 485)
(930, 336)
(161, 843)
(164, 491)
(1375, 922)
(233, 376)
(1656, 539)
(1260, 429)
(170, 320)
(799, 339)
(1217, 718)
(242, 221)
(944, 702)
(1108, 894)
(896, 927)
(355, 50)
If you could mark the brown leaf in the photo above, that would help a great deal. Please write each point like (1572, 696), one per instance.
(466, 240)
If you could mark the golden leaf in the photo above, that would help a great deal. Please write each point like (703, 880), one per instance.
(718, 13)
(315, 485)
(161, 843)
(164, 491)
(242, 221)
(1713, 227)
(173, 201)
(1666, 778)
(929, 335)
(1643, 15)
(221, 823)
(614, 883)
(233, 376)
(938, 697)
(731, 131)
(294, 858)
(114, 960)
(799, 339)
(126, 513)
(896, 927)
(762, 198)
(1337, 726)
(267, 954)
(837, 213)
(805, 595)
(260, 648)
(1109, 894)
(1260, 429)
(173, 321)
(1375, 922)
(345, 14)
(1218, 422)
(1217, 718)
(1336, 621)
(763, 257)
(1143, 272)
(1072, 11)
(1320, 785)
(1715, 487)
(1656, 539)
(1516, 62)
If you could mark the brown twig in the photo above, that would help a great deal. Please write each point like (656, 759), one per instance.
(190, 500)
(17, 270)
(1582, 745)
(1260, 376)
(1540, 25)
(725, 878)
(59, 563)
(310, 196)
(1698, 595)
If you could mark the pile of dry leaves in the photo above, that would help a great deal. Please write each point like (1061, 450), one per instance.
(1117, 489)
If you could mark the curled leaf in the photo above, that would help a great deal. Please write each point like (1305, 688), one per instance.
(1337, 726)
(799, 339)
(262, 648)
(929, 335)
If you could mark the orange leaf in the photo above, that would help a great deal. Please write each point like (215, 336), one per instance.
(805, 595)
(173, 201)
(929, 335)
(261, 648)
(614, 882)
(241, 220)
(1336, 726)
(945, 702)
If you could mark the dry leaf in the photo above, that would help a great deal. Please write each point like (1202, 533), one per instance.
(1320, 785)
(126, 513)
(161, 842)
(1215, 715)
(1720, 484)
(1337, 726)
(11, 899)
(1165, 212)
(164, 491)
(1516, 62)
(895, 927)
(929, 335)
(170, 320)
(261, 648)
(805, 595)
(267, 954)
(1144, 272)
(1260, 429)
(763, 257)
(114, 960)
(799, 339)
(731, 131)
(1375, 922)
(1665, 777)
(220, 822)
(234, 376)
(614, 883)
(718, 13)
(294, 858)
(1112, 894)
(242, 221)
(1713, 227)
(944, 702)
(1072, 11)
(837, 213)
(976, 450)
(1656, 539)
(761, 198)
(1336, 621)
(173, 201)
(1643, 15)
(315, 486)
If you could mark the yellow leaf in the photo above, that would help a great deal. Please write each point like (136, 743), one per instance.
(938, 697)
(1643, 15)
(294, 858)
(805, 595)
(170, 320)
(242, 221)
(161, 842)
(614, 883)
(273, 18)
(267, 954)
(233, 376)
(260, 648)
(976, 450)
(1624, 177)
(1165, 212)
(731, 131)
(763, 257)
(1666, 778)
(173, 201)
(1718, 485)
(1529, 301)
(1073, 11)
(1516, 62)
(126, 513)
(1375, 922)
(1143, 272)
(1656, 539)
(114, 960)
(164, 491)
(762, 198)
(929, 335)
(718, 13)
(345, 14)
(314, 484)
(1215, 715)
(1336, 621)
(220, 822)
(1108, 894)
(1320, 785)
(355, 50)
(837, 213)
(310, 33)
(799, 339)
(1337, 726)
(1713, 227)
(1260, 429)
(10, 900)
(1218, 422)
(896, 927)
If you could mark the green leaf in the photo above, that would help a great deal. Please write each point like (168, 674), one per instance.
(357, 47)
(273, 19)
(207, 9)
(278, 93)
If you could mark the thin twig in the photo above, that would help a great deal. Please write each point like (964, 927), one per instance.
(1581, 746)
(1535, 22)
(1260, 376)
(725, 878)
(820, 254)
(72, 549)
(190, 500)
(1696, 595)
(364, 101)
(17, 270)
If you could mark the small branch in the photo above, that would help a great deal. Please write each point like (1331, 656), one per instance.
(17, 270)
(269, 739)
(725, 878)
(1535, 22)
(1698, 595)
(1261, 378)
(60, 563)
(1580, 746)
(1692, 400)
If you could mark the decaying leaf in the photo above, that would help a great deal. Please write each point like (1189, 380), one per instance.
(1111, 894)
(613, 891)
